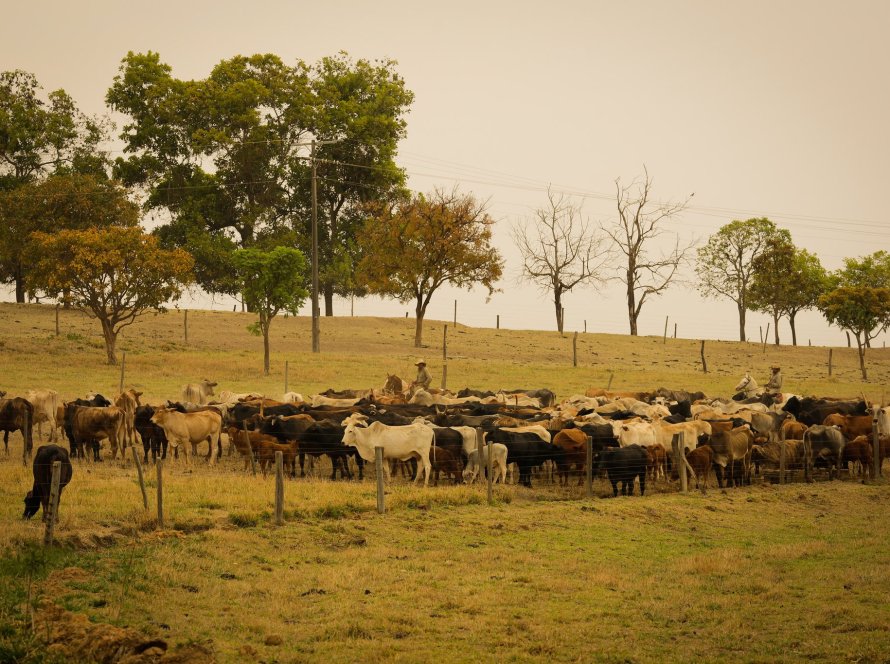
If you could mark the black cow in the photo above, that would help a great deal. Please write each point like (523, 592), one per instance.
(624, 464)
(326, 437)
(527, 450)
(153, 436)
(601, 435)
(95, 401)
(17, 414)
(812, 411)
(243, 411)
(43, 475)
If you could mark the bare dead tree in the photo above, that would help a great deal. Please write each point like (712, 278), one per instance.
(641, 222)
(560, 250)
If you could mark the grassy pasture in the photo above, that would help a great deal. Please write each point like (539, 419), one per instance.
(762, 574)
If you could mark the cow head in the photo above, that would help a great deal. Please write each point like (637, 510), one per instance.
(209, 385)
(32, 504)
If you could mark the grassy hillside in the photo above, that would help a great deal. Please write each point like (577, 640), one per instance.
(762, 574)
(359, 352)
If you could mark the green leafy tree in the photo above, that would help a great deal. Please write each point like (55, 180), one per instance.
(725, 264)
(115, 274)
(807, 281)
(863, 310)
(872, 271)
(359, 119)
(40, 136)
(769, 289)
(416, 245)
(272, 281)
(59, 202)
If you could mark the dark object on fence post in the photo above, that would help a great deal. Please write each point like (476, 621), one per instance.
(139, 473)
(249, 448)
(782, 462)
(611, 376)
(57, 318)
(378, 466)
(185, 326)
(285, 375)
(53, 504)
(665, 338)
(445, 357)
(829, 361)
(575, 349)
(123, 365)
(279, 488)
(704, 362)
(455, 313)
(876, 452)
(675, 330)
(160, 466)
(766, 338)
(848, 339)
(498, 323)
(490, 474)
(588, 469)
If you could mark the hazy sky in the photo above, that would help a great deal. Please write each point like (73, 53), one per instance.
(775, 109)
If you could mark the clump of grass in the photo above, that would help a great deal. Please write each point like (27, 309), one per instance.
(339, 511)
(244, 519)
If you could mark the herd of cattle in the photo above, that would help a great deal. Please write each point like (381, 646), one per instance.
(631, 434)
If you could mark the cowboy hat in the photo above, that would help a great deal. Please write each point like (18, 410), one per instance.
(775, 368)
(419, 362)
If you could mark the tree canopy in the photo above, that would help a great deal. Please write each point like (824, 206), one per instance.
(227, 156)
(272, 281)
(416, 245)
(115, 274)
(726, 265)
(863, 310)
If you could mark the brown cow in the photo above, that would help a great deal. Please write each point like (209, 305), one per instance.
(17, 414)
(190, 429)
(442, 460)
(731, 447)
(657, 461)
(90, 424)
(127, 401)
(850, 425)
(883, 447)
(769, 454)
(700, 460)
(792, 429)
(573, 443)
(859, 451)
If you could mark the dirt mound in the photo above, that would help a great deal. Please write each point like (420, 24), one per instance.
(73, 637)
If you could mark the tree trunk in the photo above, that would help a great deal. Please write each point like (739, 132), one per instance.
(793, 329)
(418, 324)
(776, 327)
(328, 300)
(742, 313)
(861, 348)
(19, 287)
(631, 305)
(557, 302)
(266, 350)
(110, 337)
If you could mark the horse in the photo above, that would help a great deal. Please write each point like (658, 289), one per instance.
(747, 389)
(395, 385)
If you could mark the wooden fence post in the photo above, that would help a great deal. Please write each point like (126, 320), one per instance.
(57, 318)
(848, 339)
(829, 361)
(123, 364)
(665, 338)
(185, 326)
(611, 376)
(704, 362)
(53, 505)
(588, 469)
(877, 447)
(160, 467)
(490, 474)
(678, 444)
(575, 349)
(279, 488)
(761, 334)
(445, 356)
(766, 337)
(585, 326)
(498, 323)
(455, 313)
(378, 464)
(675, 330)
(139, 473)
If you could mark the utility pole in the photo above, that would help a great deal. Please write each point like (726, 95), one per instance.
(315, 331)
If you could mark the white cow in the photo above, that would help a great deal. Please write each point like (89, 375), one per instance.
(321, 400)
(467, 433)
(498, 463)
(399, 442)
(541, 432)
(46, 407)
(292, 397)
(690, 430)
(634, 432)
(198, 392)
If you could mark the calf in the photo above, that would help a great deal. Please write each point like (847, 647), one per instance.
(153, 436)
(498, 463)
(730, 447)
(700, 460)
(571, 450)
(442, 460)
(656, 461)
(883, 447)
(43, 474)
(17, 414)
(623, 465)
(859, 451)
(190, 429)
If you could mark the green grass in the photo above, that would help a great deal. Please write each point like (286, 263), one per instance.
(761, 574)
